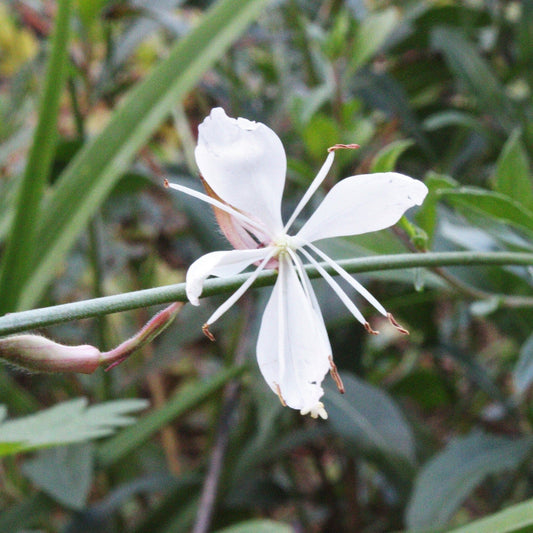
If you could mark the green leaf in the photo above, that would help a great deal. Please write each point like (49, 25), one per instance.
(472, 71)
(449, 477)
(258, 526)
(69, 422)
(523, 371)
(493, 205)
(385, 160)
(369, 419)
(86, 182)
(513, 174)
(515, 519)
(19, 253)
(64, 473)
(371, 34)
(186, 399)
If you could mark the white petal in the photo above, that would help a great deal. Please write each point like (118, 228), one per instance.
(244, 163)
(219, 264)
(361, 204)
(291, 351)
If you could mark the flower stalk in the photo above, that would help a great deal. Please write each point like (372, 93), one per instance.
(38, 318)
(36, 353)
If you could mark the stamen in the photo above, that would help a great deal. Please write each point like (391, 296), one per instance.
(392, 320)
(347, 277)
(207, 333)
(343, 147)
(310, 294)
(322, 173)
(224, 207)
(370, 330)
(335, 375)
(240, 291)
(278, 392)
(281, 320)
(336, 287)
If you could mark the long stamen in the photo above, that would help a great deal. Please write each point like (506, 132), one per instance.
(224, 207)
(281, 320)
(353, 282)
(310, 293)
(237, 294)
(315, 184)
(336, 287)
(322, 173)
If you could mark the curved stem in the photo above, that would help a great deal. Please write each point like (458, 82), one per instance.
(26, 320)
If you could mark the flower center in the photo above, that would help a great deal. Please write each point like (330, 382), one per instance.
(283, 244)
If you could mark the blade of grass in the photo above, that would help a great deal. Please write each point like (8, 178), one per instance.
(20, 248)
(85, 183)
(186, 399)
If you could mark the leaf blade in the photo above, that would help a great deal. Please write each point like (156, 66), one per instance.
(84, 185)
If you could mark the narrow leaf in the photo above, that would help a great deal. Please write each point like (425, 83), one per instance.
(513, 175)
(371, 34)
(385, 160)
(69, 422)
(20, 249)
(258, 526)
(368, 418)
(182, 402)
(515, 519)
(493, 205)
(85, 183)
(474, 73)
(449, 477)
(523, 371)
(64, 473)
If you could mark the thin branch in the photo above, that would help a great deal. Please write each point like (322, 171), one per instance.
(210, 489)
(37, 318)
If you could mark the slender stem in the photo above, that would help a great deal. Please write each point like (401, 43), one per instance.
(26, 320)
(215, 468)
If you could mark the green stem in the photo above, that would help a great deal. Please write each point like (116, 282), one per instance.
(26, 320)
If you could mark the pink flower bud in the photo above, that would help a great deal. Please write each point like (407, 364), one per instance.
(39, 354)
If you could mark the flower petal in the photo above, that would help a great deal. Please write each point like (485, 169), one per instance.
(360, 204)
(244, 163)
(291, 349)
(219, 264)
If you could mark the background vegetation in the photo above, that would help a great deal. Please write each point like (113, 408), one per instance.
(100, 101)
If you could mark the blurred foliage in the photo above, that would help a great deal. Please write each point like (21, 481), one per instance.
(435, 430)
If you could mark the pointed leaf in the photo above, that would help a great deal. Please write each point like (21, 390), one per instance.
(258, 526)
(99, 165)
(472, 71)
(371, 34)
(523, 371)
(69, 422)
(19, 252)
(449, 477)
(64, 473)
(515, 519)
(385, 159)
(368, 417)
(493, 205)
(513, 174)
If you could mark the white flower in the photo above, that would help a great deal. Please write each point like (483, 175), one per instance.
(243, 166)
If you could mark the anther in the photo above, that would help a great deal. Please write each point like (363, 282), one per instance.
(370, 330)
(207, 333)
(278, 392)
(343, 147)
(335, 375)
(401, 329)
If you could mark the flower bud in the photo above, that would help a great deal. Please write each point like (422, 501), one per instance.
(39, 354)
